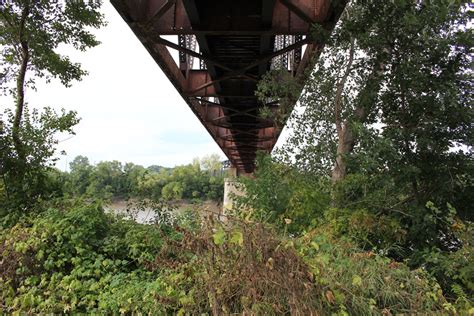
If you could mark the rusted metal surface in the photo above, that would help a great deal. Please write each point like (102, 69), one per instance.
(225, 47)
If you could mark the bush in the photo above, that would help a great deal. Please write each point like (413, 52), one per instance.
(246, 268)
(279, 193)
(77, 259)
(358, 282)
(74, 261)
(455, 270)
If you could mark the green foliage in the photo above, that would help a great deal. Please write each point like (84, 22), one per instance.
(278, 85)
(112, 179)
(387, 117)
(364, 283)
(39, 146)
(173, 191)
(280, 193)
(455, 270)
(389, 101)
(43, 26)
(267, 195)
(80, 171)
(382, 233)
(75, 260)
(30, 35)
(370, 214)
(106, 180)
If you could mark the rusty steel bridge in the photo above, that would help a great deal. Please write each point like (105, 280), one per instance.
(225, 47)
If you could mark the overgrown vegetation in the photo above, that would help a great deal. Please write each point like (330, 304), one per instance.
(75, 258)
(382, 151)
(298, 205)
(365, 211)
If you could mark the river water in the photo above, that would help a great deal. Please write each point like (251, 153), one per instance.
(147, 215)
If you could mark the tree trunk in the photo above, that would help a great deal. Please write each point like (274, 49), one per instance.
(344, 133)
(346, 142)
(20, 100)
(18, 174)
(20, 81)
(364, 104)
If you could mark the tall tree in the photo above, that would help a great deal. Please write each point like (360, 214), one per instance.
(80, 171)
(386, 62)
(211, 164)
(388, 116)
(31, 31)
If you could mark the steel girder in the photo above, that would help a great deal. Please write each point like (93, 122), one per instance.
(239, 41)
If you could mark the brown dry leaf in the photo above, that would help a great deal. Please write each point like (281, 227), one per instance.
(269, 263)
(393, 265)
(330, 297)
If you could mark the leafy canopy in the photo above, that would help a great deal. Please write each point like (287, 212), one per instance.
(44, 27)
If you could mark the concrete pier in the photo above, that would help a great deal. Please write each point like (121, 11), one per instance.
(231, 188)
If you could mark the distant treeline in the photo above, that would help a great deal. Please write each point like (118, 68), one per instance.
(202, 179)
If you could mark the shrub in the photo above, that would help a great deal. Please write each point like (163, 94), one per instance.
(74, 261)
(455, 270)
(358, 282)
(244, 267)
(77, 259)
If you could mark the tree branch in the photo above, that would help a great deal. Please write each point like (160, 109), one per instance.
(6, 18)
(340, 88)
(361, 110)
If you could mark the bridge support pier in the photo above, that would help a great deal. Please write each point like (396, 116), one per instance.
(232, 188)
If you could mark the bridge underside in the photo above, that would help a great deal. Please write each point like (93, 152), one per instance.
(225, 47)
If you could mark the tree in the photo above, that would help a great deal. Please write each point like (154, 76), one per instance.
(26, 179)
(388, 117)
(112, 179)
(132, 174)
(30, 34)
(211, 164)
(150, 184)
(173, 190)
(376, 50)
(107, 180)
(80, 172)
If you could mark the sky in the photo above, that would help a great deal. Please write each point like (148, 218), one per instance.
(129, 110)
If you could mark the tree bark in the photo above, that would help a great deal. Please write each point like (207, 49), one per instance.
(345, 144)
(20, 99)
(18, 172)
(20, 82)
(367, 96)
(345, 135)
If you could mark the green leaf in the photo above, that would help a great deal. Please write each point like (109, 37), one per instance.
(237, 237)
(219, 237)
(356, 280)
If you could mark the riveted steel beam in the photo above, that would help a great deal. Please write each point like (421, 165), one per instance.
(236, 41)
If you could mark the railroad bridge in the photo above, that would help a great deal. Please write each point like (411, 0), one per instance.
(225, 47)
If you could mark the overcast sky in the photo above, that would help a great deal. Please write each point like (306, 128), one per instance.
(129, 110)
